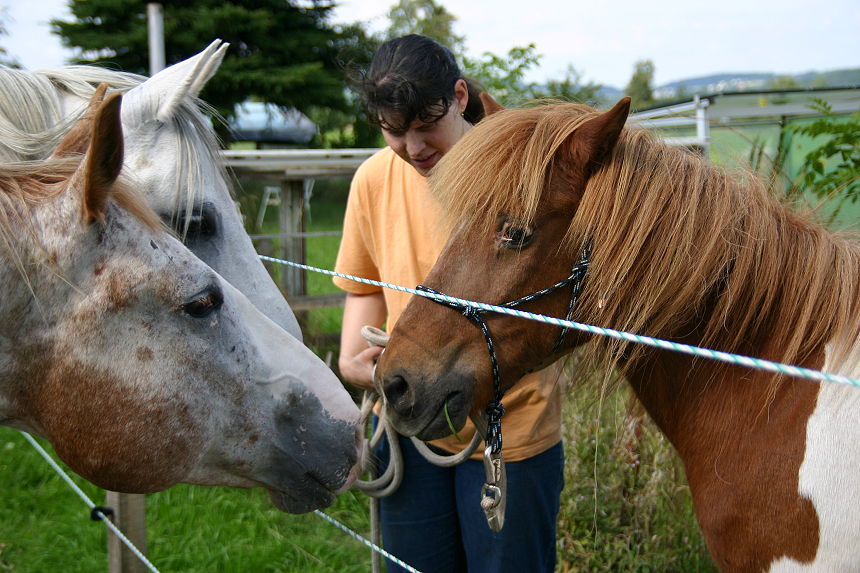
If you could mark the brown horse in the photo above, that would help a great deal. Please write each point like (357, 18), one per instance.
(681, 250)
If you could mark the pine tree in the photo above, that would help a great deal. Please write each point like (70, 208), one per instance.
(282, 52)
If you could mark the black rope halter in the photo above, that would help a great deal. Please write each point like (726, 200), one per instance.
(495, 410)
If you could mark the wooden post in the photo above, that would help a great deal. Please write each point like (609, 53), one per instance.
(291, 213)
(130, 518)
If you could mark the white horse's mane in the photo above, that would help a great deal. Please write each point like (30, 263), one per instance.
(32, 121)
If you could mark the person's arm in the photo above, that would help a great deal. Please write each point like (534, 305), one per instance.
(356, 358)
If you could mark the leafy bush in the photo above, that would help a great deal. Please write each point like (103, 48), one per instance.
(833, 167)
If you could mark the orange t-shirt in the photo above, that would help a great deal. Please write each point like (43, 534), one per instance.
(392, 233)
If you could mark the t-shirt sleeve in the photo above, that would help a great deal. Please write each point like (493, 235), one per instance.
(355, 255)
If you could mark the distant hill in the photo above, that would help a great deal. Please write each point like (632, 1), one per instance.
(835, 78)
(734, 82)
(609, 94)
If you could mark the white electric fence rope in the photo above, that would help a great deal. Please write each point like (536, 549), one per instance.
(367, 542)
(727, 357)
(108, 523)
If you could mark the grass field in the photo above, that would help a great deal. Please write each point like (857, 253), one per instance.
(619, 513)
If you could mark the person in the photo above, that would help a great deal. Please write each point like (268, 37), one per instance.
(414, 91)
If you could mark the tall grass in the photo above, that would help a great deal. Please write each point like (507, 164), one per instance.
(625, 506)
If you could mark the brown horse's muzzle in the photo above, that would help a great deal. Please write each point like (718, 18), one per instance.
(421, 398)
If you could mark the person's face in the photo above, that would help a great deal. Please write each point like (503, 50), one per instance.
(424, 144)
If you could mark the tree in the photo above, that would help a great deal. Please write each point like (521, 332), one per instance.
(570, 88)
(282, 52)
(349, 127)
(427, 18)
(504, 76)
(640, 88)
(5, 58)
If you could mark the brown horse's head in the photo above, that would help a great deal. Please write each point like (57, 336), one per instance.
(512, 186)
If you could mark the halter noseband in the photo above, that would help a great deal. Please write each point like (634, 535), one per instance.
(495, 409)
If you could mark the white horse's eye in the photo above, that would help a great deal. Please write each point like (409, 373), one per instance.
(204, 303)
(202, 224)
(514, 234)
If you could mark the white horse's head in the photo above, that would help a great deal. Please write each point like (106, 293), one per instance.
(138, 362)
(169, 140)
(171, 150)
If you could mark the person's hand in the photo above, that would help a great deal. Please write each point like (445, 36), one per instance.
(358, 369)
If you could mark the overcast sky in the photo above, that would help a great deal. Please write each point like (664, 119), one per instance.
(601, 39)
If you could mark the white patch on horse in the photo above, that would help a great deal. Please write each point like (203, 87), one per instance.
(828, 475)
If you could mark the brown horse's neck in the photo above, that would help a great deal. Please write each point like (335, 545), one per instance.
(694, 401)
(742, 440)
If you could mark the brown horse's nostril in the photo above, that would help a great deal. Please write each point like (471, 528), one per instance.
(395, 389)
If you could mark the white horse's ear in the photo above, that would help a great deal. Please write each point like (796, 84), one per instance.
(160, 96)
(212, 65)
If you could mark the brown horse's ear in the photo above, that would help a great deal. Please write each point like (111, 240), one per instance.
(593, 141)
(76, 141)
(491, 106)
(104, 158)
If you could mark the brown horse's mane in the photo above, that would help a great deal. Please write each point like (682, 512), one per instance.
(681, 249)
(27, 184)
(30, 183)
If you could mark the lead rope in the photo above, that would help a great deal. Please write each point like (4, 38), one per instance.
(382, 486)
(493, 492)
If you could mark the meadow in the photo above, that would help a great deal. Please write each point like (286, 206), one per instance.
(626, 506)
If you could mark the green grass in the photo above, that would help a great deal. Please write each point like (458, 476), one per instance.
(45, 527)
(616, 515)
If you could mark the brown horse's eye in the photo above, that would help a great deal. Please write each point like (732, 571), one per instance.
(514, 235)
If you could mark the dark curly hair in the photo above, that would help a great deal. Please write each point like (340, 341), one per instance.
(413, 77)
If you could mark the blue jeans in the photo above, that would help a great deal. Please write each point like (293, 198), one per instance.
(434, 521)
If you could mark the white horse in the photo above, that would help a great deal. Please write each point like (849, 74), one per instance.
(139, 363)
(171, 150)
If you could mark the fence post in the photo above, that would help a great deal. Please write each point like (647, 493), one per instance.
(291, 213)
(703, 126)
(130, 518)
